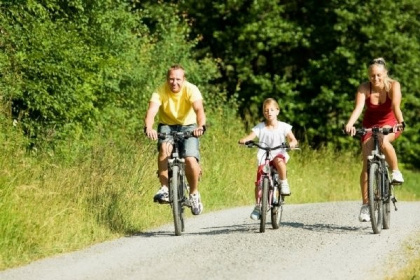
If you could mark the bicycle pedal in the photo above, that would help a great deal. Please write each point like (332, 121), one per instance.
(396, 183)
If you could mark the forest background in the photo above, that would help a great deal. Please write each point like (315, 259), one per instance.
(76, 77)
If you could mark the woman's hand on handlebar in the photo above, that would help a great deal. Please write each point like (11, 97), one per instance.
(350, 129)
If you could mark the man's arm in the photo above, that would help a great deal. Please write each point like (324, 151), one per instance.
(150, 119)
(201, 117)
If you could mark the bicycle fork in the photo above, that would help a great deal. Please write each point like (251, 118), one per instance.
(387, 186)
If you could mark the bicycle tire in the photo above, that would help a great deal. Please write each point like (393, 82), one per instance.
(375, 197)
(182, 190)
(264, 203)
(175, 201)
(387, 202)
(277, 212)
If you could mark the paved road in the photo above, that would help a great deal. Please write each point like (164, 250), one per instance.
(315, 241)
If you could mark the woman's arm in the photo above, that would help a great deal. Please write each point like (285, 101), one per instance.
(396, 101)
(358, 109)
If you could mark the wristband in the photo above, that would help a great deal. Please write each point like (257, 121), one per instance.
(403, 124)
(145, 129)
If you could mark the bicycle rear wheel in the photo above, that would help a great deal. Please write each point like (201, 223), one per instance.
(277, 212)
(264, 204)
(375, 197)
(175, 201)
(387, 202)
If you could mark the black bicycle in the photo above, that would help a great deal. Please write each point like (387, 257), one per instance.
(380, 187)
(271, 198)
(178, 184)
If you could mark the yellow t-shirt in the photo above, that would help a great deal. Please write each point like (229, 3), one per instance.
(176, 108)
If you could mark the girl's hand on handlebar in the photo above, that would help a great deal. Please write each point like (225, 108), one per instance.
(293, 144)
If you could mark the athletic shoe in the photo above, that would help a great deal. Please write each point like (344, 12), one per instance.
(364, 213)
(397, 177)
(256, 213)
(285, 189)
(196, 205)
(162, 196)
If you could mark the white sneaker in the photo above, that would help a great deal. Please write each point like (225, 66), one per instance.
(364, 213)
(162, 195)
(397, 177)
(196, 205)
(256, 213)
(285, 189)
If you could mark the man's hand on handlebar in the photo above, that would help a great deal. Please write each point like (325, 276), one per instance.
(199, 131)
(150, 133)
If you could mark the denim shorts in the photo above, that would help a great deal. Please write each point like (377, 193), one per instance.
(190, 147)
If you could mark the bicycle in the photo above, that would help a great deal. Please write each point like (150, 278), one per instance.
(270, 197)
(380, 187)
(178, 184)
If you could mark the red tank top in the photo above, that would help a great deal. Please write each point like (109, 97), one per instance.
(378, 115)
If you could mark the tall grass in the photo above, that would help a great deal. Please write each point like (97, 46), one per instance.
(87, 193)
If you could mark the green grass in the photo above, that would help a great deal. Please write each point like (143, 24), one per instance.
(85, 194)
(411, 252)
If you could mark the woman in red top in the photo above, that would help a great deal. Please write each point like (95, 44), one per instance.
(382, 97)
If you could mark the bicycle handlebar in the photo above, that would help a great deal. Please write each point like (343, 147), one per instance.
(376, 130)
(251, 144)
(176, 135)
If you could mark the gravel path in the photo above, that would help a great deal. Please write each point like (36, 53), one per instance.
(315, 241)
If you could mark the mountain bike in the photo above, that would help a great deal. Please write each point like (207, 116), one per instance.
(380, 187)
(178, 184)
(270, 197)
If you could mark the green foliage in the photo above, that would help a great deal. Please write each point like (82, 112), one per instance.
(311, 56)
(70, 66)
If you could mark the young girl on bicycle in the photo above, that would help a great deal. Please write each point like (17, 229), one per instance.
(271, 132)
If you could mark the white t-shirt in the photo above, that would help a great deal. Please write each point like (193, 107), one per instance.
(272, 138)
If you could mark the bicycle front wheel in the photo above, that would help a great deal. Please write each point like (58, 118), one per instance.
(264, 204)
(175, 201)
(375, 197)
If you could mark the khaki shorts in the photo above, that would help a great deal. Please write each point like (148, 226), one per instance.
(190, 146)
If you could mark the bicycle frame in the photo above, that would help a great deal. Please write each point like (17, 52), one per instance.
(378, 157)
(178, 185)
(379, 184)
(269, 188)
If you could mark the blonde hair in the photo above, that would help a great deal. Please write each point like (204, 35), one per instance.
(270, 101)
(387, 80)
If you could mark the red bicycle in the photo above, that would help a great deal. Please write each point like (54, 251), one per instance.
(270, 197)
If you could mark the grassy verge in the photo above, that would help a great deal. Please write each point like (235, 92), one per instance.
(410, 253)
(83, 195)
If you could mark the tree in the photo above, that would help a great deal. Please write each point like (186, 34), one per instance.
(311, 56)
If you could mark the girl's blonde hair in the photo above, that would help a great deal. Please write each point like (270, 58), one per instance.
(387, 80)
(270, 101)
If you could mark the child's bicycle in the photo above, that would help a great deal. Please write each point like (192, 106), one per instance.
(380, 187)
(178, 185)
(270, 197)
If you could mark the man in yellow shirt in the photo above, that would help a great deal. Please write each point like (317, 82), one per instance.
(179, 105)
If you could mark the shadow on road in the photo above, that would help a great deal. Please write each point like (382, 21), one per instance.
(244, 228)
(329, 228)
